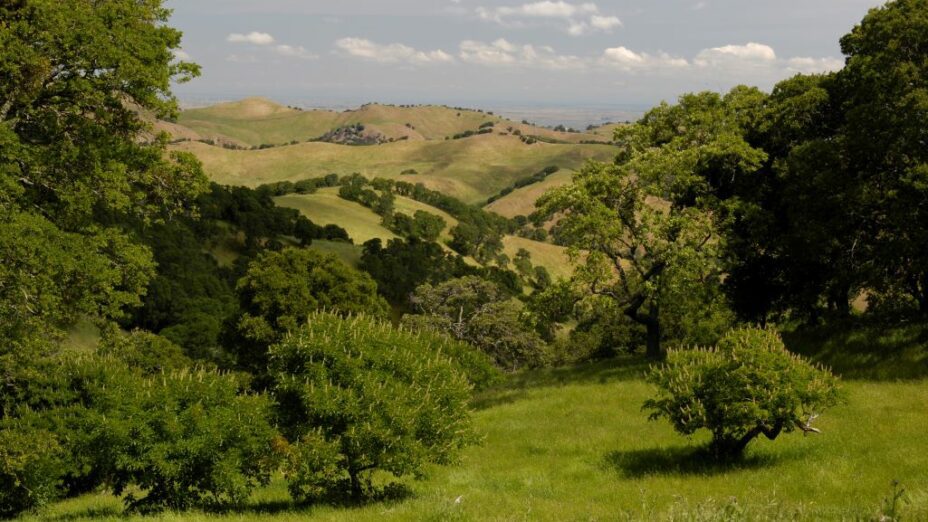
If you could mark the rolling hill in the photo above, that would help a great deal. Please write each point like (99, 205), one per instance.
(228, 137)
(521, 201)
(258, 121)
(471, 169)
(326, 207)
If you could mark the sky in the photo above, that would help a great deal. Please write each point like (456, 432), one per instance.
(494, 53)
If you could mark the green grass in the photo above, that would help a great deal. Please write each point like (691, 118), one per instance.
(469, 169)
(347, 252)
(573, 444)
(326, 207)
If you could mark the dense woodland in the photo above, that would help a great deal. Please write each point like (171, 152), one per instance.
(725, 217)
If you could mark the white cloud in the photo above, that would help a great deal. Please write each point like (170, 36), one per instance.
(501, 52)
(579, 18)
(390, 53)
(545, 9)
(801, 64)
(628, 60)
(295, 52)
(268, 41)
(744, 54)
(604, 22)
(253, 37)
(182, 55)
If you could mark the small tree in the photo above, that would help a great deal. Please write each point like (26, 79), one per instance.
(749, 385)
(356, 395)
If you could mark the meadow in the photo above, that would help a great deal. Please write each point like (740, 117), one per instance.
(573, 444)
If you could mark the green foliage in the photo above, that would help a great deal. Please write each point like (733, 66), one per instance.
(636, 250)
(75, 163)
(748, 385)
(356, 395)
(281, 289)
(477, 311)
(150, 353)
(181, 438)
(52, 277)
(402, 266)
(190, 439)
(29, 461)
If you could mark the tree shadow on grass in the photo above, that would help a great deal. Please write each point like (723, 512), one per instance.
(684, 460)
(392, 493)
(866, 348)
(621, 368)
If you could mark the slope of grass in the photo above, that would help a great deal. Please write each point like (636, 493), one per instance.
(573, 444)
(554, 258)
(257, 121)
(470, 169)
(325, 207)
(521, 202)
(347, 252)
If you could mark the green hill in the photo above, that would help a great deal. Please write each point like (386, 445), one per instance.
(470, 169)
(326, 207)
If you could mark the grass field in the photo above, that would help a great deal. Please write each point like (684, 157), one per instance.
(521, 202)
(573, 444)
(470, 169)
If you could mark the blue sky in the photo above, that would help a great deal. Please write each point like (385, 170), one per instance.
(498, 52)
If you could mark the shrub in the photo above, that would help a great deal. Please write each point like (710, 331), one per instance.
(280, 289)
(357, 396)
(183, 439)
(748, 385)
(29, 472)
(190, 439)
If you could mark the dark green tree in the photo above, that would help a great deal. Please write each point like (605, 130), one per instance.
(282, 289)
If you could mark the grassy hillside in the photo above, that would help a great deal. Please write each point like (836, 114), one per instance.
(573, 444)
(325, 207)
(470, 169)
(521, 202)
(257, 121)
